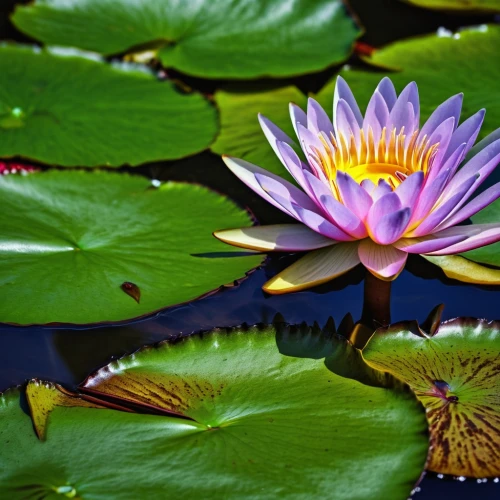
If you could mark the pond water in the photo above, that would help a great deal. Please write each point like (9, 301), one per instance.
(67, 354)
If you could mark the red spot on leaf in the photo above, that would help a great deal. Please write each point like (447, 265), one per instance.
(132, 289)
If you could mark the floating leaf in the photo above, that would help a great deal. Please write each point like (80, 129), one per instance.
(456, 375)
(71, 109)
(240, 133)
(442, 64)
(460, 6)
(261, 424)
(208, 38)
(70, 239)
(459, 268)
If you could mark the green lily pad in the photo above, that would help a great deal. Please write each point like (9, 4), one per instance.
(208, 38)
(455, 372)
(240, 133)
(255, 423)
(85, 247)
(460, 6)
(442, 64)
(72, 109)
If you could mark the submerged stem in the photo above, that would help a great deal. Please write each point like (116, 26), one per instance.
(377, 302)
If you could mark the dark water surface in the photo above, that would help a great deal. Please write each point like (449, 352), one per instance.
(68, 355)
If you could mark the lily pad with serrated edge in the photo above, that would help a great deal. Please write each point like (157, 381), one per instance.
(254, 423)
(460, 6)
(455, 372)
(207, 38)
(77, 246)
(67, 108)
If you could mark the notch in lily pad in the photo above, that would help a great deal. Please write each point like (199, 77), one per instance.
(109, 229)
(255, 420)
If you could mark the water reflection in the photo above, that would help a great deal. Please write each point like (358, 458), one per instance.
(69, 354)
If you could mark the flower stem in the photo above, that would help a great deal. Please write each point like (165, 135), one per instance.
(377, 302)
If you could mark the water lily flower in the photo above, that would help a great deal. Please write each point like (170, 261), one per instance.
(373, 188)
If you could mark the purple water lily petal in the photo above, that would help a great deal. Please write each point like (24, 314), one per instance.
(429, 196)
(442, 135)
(376, 116)
(452, 107)
(443, 209)
(383, 261)
(345, 122)
(297, 115)
(245, 171)
(342, 91)
(430, 243)
(387, 91)
(381, 189)
(390, 227)
(342, 217)
(481, 201)
(483, 163)
(401, 114)
(386, 205)
(409, 190)
(317, 119)
(313, 220)
(277, 186)
(467, 132)
(353, 195)
(275, 238)
(309, 141)
(369, 186)
(317, 187)
(273, 133)
(335, 211)
(451, 164)
(294, 165)
(479, 235)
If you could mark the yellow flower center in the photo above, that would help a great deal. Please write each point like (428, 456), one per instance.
(392, 158)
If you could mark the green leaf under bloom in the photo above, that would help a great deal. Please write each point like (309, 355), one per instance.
(67, 108)
(442, 64)
(462, 269)
(455, 372)
(208, 38)
(459, 6)
(241, 135)
(76, 246)
(261, 424)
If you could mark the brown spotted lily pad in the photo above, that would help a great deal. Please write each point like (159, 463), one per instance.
(229, 414)
(455, 372)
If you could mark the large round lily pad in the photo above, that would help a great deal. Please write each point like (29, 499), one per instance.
(460, 6)
(85, 247)
(210, 38)
(254, 423)
(455, 372)
(72, 109)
